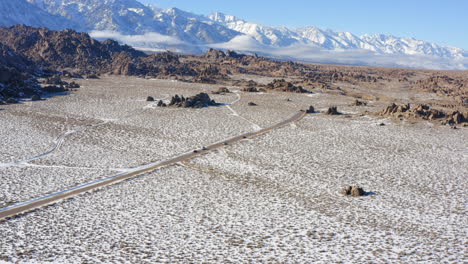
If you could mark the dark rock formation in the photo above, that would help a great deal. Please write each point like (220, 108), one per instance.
(92, 76)
(250, 89)
(198, 101)
(54, 89)
(36, 97)
(285, 86)
(72, 85)
(311, 110)
(333, 111)
(252, 104)
(149, 99)
(11, 100)
(354, 191)
(161, 104)
(359, 103)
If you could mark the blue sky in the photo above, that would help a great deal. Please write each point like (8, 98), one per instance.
(443, 21)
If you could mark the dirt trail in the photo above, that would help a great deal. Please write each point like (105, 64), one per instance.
(53, 198)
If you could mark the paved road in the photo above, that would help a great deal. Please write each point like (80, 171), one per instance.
(53, 198)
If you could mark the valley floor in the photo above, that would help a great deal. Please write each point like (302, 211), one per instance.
(273, 198)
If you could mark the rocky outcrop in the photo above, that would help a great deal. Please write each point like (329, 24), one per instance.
(282, 85)
(422, 111)
(16, 75)
(333, 111)
(61, 50)
(214, 54)
(311, 110)
(198, 101)
(250, 89)
(354, 191)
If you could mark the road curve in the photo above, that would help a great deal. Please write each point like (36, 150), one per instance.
(24, 207)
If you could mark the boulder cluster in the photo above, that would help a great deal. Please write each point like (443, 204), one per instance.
(56, 84)
(250, 89)
(354, 191)
(425, 112)
(198, 101)
(284, 86)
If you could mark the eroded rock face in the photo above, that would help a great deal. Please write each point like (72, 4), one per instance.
(424, 112)
(198, 101)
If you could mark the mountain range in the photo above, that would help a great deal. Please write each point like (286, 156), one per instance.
(151, 28)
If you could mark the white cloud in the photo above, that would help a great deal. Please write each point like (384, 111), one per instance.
(147, 40)
(312, 53)
(301, 52)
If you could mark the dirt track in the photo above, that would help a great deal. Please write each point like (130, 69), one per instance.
(25, 207)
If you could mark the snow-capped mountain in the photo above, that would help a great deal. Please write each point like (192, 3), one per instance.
(130, 17)
(335, 40)
(265, 35)
(22, 12)
(152, 28)
(391, 44)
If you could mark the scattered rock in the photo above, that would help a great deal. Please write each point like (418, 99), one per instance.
(311, 110)
(250, 90)
(381, 124)
(333, 111)
(359, 103)
(252, 104)
(36, 97)
(54, 89)
(11, 100)
(221, 90)
(354, 191)
(149, 99)
(72, 85)
(92, 76)
(161, 103)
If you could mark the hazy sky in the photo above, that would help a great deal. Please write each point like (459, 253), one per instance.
(441, 21)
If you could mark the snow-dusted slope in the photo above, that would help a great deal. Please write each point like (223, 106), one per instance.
(263, 34)
(21, 12)
(335, 40)
(130, 17)
(392, 45)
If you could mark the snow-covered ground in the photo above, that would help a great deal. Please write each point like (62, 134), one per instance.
(273, 198)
